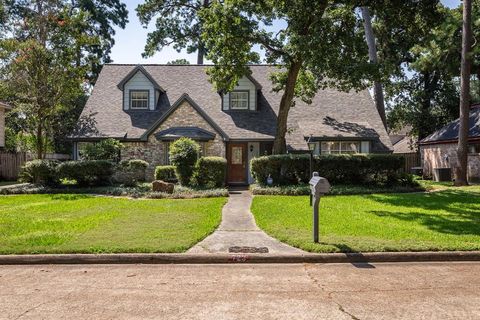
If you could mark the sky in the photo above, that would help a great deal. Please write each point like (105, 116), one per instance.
(129, 42)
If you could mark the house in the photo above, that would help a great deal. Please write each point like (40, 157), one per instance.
(149, 106)
(402, 141)
(3, 109)
(439, 150)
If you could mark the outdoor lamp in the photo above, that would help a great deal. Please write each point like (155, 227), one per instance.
(311, 143)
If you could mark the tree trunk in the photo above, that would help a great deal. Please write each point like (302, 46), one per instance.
(372, 54)
(200, 53)
(279, 145)
(39, 139)
(462, 149)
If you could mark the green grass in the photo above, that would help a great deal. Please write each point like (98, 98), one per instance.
(88, 224)
(441, 220)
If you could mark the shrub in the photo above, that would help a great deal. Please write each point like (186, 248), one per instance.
(165, 173)
(129, 172)
(345, 169)
(40, 172)
(108, 149)
(210, 172)
(87, 173)
(183, 155)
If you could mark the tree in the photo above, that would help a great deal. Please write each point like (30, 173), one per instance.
(462, 149)
(179, 62)
(420, 53)
(322, 45)
(51, 51)
(176, 23)
(372, 54)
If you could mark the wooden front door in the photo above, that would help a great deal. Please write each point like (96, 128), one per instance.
(237, 163)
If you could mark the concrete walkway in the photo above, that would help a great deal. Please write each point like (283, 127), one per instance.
(239, 233)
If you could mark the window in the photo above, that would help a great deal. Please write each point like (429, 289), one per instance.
(474, 148)
(166, 159)
(239, 100)
(139, 99)
(339, 147)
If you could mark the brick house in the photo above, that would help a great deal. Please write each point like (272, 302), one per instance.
(148, 106)
(439, 150)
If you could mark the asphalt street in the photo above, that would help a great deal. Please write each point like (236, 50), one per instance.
(242, 291)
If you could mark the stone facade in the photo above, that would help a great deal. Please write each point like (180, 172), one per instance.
(153, 151)
(434, 157)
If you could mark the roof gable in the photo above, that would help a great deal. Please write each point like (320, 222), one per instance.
(132, 73)
(184, 97)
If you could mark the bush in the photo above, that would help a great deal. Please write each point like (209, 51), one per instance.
(108, 149)
(165, 173)
(183, 155)
(344, 169)
(40, 172)
(210, 172)
(87, 173)
(129, 172)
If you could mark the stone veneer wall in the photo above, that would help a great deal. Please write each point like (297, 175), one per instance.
(434, 157)
(153, 151)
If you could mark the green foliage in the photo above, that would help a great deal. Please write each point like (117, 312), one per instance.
(165, 173)
(51, 51)
(183, 155)
(343, 169)
(41, 172)
(108, 149)
(88, 172)
(177, 23)
(178, 62)
(210, 172)
(130, 172)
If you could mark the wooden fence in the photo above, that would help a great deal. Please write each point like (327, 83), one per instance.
(10, 164)
(411, 160)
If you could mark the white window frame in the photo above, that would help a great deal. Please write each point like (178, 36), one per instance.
(235, 99)
(137, 99)
(340, 149)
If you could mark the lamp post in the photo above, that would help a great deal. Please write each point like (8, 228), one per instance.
(311, 148)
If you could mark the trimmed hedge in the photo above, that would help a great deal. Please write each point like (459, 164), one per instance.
(184, 155)
(356, 169)
(165, 173)
(129, 172)
(40, 172)
(210, 172)
(88, 172)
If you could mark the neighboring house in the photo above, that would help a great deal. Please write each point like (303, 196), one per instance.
(439, 150)
(402, 141)
(149, 106)
(3, 109)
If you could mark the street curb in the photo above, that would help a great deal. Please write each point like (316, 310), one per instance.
(182, 258)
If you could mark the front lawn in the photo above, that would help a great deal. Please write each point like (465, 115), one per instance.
(90, 224)
(442, 220)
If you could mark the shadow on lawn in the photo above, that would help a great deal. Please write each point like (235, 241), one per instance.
(461, 214)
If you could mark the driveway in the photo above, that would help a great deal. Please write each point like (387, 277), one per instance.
(287, 291)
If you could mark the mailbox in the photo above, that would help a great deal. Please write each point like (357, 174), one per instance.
(319, 186)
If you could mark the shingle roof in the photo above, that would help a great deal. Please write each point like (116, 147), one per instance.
(103, 115)
(450, 131)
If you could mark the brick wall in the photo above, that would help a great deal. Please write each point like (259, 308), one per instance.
(434, 157)
(153, 151)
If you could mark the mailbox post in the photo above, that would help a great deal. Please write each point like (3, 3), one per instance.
(319, 186)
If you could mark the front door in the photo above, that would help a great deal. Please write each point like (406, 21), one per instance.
(237, 163)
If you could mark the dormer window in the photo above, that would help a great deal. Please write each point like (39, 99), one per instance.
(139, 99)
(239, 100)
